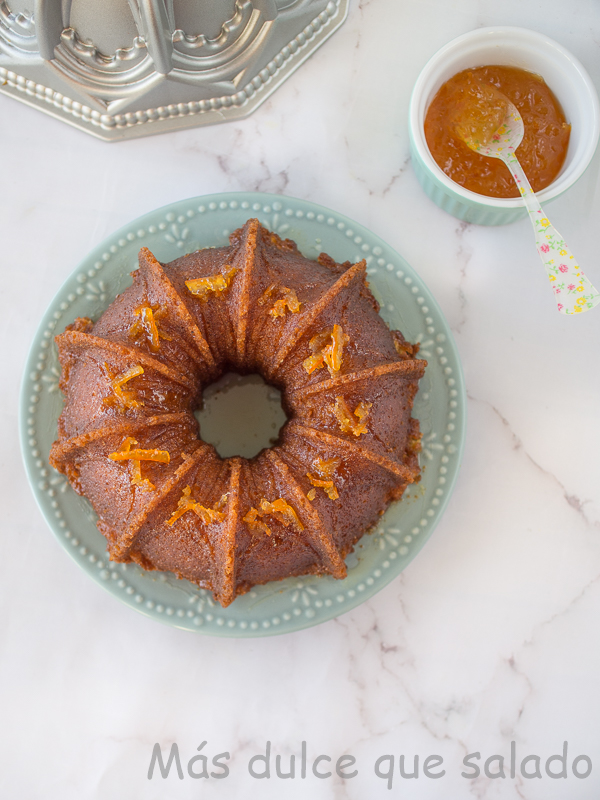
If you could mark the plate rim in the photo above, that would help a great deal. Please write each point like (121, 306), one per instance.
(303, 622)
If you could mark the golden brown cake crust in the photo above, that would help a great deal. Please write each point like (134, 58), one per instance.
(128, 439)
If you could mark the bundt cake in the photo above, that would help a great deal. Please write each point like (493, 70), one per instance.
(129, 442)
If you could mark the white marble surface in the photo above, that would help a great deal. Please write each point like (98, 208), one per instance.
(490, 636)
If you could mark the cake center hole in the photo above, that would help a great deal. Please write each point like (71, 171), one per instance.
(240, 415)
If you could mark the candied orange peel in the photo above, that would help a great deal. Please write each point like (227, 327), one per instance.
(413, 444)
(346, 419)
(280, 509)
(212, 284)
(288, 301)
(327, 486)
(137, 478)
(147, 326)
(325, 469)
(327, 350)
(127, 452)
(254, 523)
(123, 397)
(207, 515)
(326, 466)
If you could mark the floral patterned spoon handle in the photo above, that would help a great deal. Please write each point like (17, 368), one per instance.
(573, 291)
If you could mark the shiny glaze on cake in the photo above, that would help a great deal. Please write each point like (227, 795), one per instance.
(310, 328)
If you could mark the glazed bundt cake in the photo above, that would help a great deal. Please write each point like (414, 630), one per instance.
(129, 442)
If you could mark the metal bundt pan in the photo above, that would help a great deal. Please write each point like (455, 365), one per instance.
(120, 69)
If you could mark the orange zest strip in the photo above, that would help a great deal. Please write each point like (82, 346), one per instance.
(186, 503)
(326, 466)
(254, 523)
(125, 453)
(333, 352)
(346, 419)
(287, 302)
(123, 397)
(267, 294)
(136, 478)
(135, 457)
(327, 351)
(282, 511)
(146, 325)
(327, 486)
(312, 363)
(217, 284)
(326, 469)
(290, 300)
(207, 515)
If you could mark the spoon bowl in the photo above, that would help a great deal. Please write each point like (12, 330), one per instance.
(487, 120)
(573, 291)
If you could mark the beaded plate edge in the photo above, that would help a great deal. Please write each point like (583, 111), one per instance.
(440, 406)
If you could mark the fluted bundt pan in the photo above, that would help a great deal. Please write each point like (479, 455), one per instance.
(130, 68)
(129, 441)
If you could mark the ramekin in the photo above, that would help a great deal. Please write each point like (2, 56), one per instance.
(515, 47)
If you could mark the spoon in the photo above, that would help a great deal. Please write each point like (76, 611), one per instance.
(495, 129)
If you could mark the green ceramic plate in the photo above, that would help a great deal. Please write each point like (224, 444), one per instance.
(440, 406)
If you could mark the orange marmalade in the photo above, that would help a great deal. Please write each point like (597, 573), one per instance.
(545, 141)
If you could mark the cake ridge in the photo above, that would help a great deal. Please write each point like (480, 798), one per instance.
(88, 341)
(225, 587)
(310, 315)
(409, 368)
(396, 467)
(247, 253)
(156, 271)
(61, 449)
(176, 479)
(254, 306)
(320, 539)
